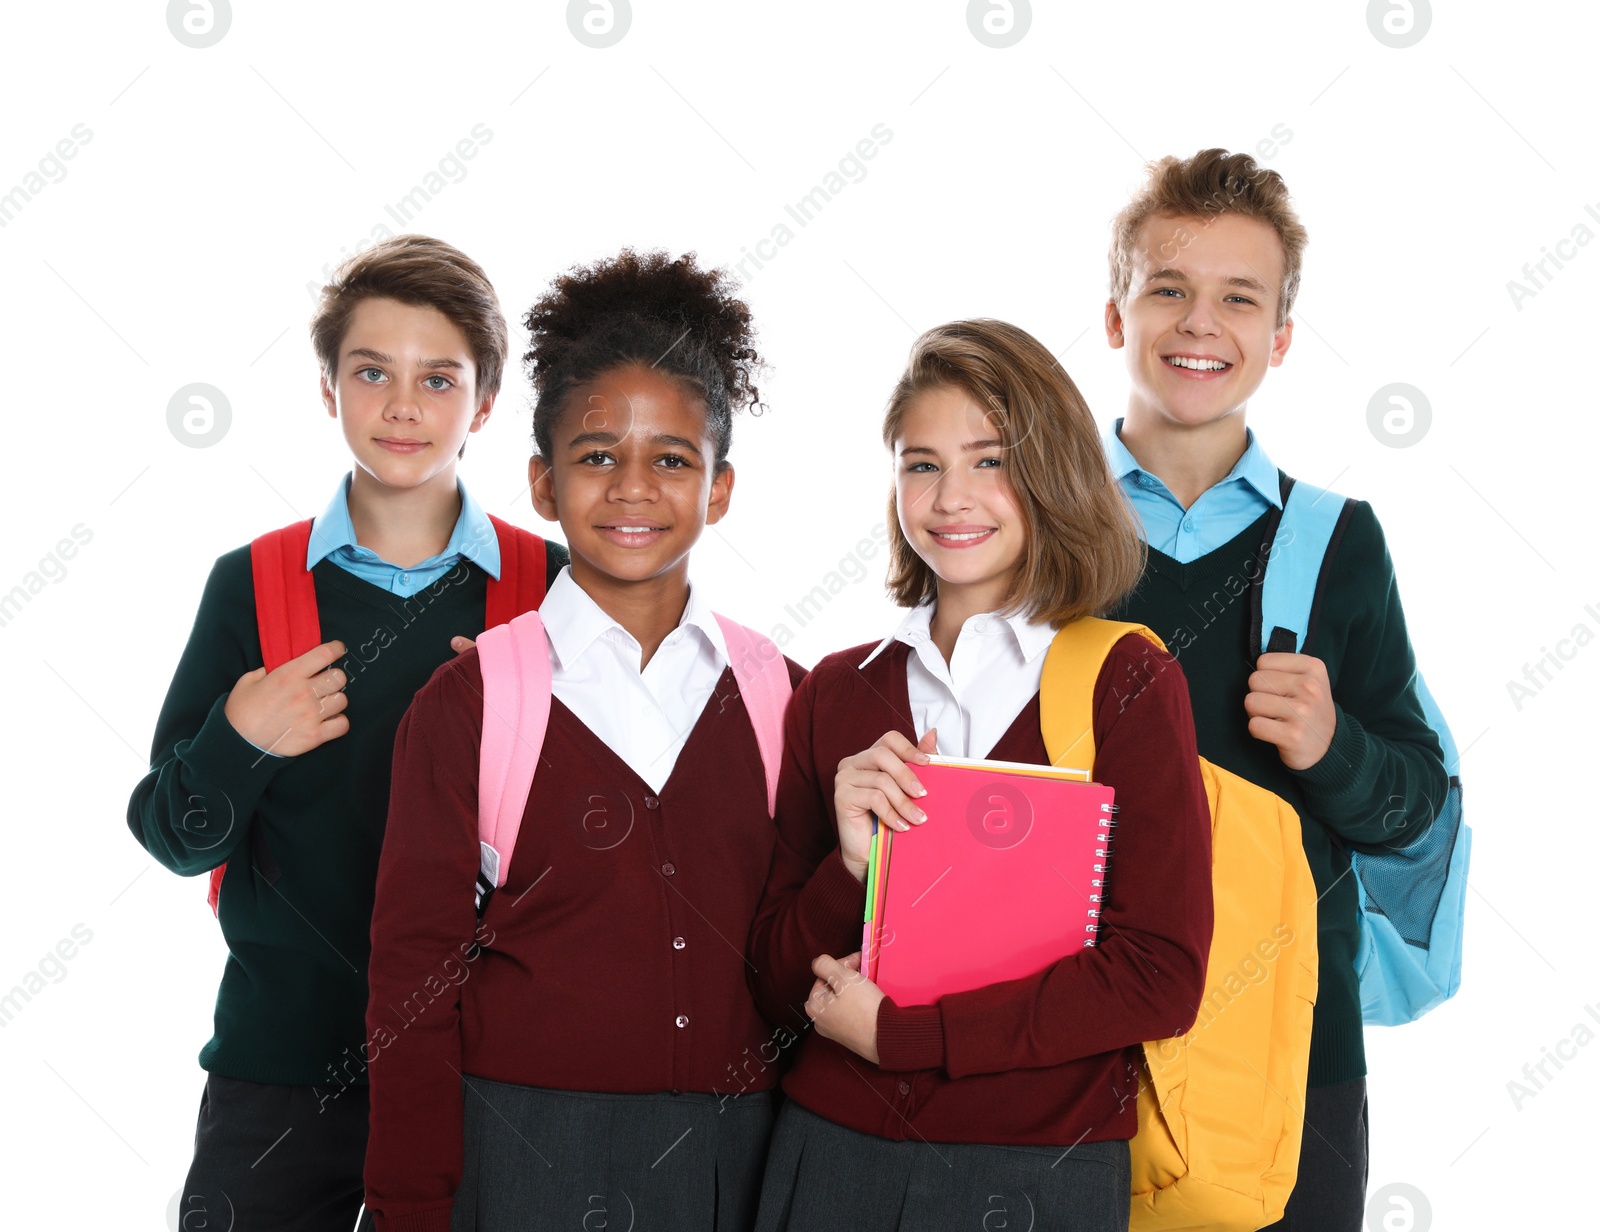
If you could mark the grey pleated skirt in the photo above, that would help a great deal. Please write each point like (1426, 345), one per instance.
(540, 1159)
(822, 1177)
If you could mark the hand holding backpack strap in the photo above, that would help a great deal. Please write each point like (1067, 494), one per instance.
(1412, 900)
(287, 624)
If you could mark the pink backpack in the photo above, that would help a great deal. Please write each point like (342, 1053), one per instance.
(515, 663)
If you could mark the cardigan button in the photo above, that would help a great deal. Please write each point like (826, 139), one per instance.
(683, 1020)
(678, 943)
(652, 802)
(669, 868)
(905, 1088)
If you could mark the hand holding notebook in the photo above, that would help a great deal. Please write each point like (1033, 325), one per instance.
(844, 1006)
(878, 782)
(1005, 878)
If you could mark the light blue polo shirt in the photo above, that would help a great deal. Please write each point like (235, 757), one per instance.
(1221, 512)
(333, 536)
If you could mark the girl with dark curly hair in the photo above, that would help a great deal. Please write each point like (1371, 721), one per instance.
(581, 1060)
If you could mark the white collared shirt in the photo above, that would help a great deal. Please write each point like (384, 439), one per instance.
(993, 673)
(643, 717)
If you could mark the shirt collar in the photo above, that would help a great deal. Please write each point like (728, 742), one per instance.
(1253, 466)
(473, 537)
(1032, 638)
(574, 621)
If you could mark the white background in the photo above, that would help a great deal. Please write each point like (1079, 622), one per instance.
(218, 182)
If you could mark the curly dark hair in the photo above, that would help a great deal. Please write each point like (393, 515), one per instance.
(647, 308)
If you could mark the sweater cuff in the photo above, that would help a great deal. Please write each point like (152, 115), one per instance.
(219, 757)
(1340, 771)
(833, 901)
(909, 1037)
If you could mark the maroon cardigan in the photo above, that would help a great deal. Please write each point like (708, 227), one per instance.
(1049, 1059)
(611, 960)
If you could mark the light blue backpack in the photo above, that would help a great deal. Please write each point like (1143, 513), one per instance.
(1412, 898)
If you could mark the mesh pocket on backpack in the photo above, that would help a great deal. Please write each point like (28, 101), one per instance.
(1405, 885)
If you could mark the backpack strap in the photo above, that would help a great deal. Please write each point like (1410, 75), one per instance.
(515, 662)
(514, 658)
(1066, 690)
(286, 594)
(521, 584)
(763, 679)
(1436, 720)
(1295, 567)
(286, 615)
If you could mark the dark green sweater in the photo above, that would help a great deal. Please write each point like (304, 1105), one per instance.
(1381, 779)
(300, 835)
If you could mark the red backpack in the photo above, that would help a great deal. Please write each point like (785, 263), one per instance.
(286, 599)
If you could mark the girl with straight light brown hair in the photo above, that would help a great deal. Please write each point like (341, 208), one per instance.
(1019, 1096)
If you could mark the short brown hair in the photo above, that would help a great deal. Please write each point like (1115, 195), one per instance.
(1211, 183)
(1084, 548)
(424, 272)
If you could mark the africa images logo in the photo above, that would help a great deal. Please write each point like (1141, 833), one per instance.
(999, 814)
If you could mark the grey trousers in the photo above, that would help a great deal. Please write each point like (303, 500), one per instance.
(822, 1177)
(1330, 1191)
(270, 1158)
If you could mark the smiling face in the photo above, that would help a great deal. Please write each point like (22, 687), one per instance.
(404, 393)
(1199, 323)
(954, 499)
(634, 478)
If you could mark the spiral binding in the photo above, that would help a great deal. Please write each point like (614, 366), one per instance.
(1102, 857)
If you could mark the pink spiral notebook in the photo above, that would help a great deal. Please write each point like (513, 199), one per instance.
(1005, 878)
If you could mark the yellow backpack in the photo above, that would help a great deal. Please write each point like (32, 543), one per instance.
(1220, 1108)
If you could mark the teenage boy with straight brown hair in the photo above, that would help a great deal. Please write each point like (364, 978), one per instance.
(283, 776)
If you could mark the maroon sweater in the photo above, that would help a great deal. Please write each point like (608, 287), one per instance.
(1049, 1059)
(611, 960)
